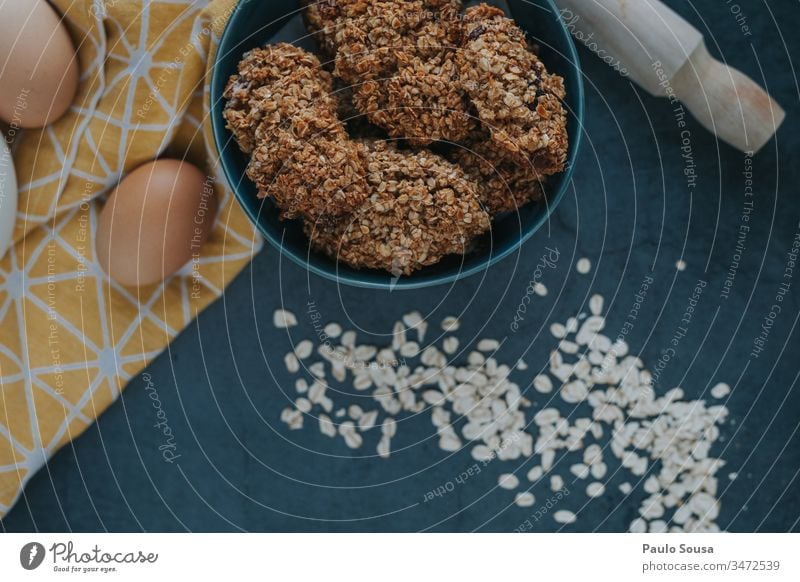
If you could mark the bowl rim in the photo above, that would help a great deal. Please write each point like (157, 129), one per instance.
(405, 283)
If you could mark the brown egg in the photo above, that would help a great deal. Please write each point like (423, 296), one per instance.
(38, 66)
(154, 222)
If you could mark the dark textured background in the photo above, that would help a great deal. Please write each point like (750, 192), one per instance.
(630, 211)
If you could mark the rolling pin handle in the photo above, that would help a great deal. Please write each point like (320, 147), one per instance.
(727, 102)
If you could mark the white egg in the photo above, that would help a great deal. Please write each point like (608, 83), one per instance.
(8, 197)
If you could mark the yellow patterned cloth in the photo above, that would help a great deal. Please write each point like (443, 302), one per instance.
(69, 338)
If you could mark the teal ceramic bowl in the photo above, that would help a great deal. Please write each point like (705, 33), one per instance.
(255, 23)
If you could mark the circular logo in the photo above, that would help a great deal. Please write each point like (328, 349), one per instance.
(31, 555)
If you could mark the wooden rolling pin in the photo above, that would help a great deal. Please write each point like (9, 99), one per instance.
(667, 56)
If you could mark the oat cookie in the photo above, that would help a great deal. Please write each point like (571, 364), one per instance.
(516, 99)
(504, 183)
(335, 149)
(282, 112)
(273, 83)
(421, 208)
(399, 58)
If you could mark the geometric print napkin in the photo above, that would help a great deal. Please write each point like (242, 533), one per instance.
(70, 339)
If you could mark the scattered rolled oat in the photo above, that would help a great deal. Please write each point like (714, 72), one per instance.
(412, 319)
(349, 339)
(596, 304)
(599, 470)
(721, 390)
(564, 516)
(680, 264)
(367, 420)
(558, 330)
(524, 499)
(389, 427)
(326, 426)
(293, 418)
(292, 364)
(488, 345)
(568, 347)
(543, 384)
(580, 470)
(583, 266)
(595, 489)
(535, 474)
(638, 525)
(283, 319)
(333, 330)
(409, 350)
(351, 437)
(661, 441)
(450, 323)
(384, 447)
(508, 481)
(450, 345)
(304, 349)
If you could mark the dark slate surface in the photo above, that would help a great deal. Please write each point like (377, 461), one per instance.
(220, 385)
